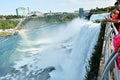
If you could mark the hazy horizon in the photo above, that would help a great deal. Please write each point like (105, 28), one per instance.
(8, 8)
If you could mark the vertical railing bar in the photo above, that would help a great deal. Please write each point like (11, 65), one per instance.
(106, 47)
(109, 76)
(116, 71)
(116, 32)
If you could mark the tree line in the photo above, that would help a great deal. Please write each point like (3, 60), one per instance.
(100, 10)
(10, 16)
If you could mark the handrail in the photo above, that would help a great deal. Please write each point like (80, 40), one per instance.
(110, 57)
(110, 63)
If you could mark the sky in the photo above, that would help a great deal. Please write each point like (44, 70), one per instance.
(8, 7)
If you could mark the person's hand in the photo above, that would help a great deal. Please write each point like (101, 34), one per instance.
(108, 19)
(118, 21)
(116, 11)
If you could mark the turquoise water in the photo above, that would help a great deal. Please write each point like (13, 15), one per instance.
(7, 47)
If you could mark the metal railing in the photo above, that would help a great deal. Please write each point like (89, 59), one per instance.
(110, 71)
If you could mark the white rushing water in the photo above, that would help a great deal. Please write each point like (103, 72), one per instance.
(99, 17)
(54, 52)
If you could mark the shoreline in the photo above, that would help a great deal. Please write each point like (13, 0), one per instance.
(7, 32)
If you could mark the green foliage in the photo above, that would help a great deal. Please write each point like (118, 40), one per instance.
(94, 62)
(100, 10)
(7, 24)
(10, 16)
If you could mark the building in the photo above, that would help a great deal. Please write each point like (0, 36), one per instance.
(81, 12)
(21, 11)
(36, 13)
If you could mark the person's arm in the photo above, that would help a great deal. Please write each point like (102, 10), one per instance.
(112, 20)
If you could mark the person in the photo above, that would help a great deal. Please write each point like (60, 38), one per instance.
(115, 16)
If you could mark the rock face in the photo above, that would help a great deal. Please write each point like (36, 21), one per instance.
(44, 75)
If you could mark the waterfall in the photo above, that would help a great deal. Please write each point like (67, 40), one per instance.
(54, 52)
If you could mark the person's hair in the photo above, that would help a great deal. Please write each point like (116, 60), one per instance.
(117, 3)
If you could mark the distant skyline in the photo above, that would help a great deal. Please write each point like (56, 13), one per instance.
(7, 7)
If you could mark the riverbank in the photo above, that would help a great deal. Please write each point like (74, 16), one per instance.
(7, 32)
